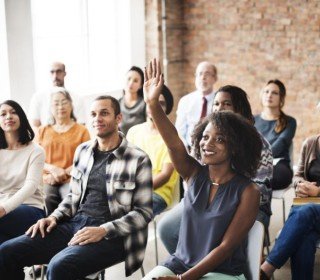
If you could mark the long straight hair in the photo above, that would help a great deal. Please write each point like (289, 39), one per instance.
(25, 131)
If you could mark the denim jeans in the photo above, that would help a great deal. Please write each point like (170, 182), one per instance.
(159, 204)
(18, 221)
(298, 241)
(64, 262)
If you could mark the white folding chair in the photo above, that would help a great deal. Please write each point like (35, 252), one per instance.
(254, 250)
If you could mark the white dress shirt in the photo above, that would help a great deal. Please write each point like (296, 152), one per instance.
(188, 113)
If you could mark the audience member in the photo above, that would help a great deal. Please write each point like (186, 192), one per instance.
(103, 220)
(279, 129)
(147, 137)
(220, 190)
(133, 107)
(21, 195)
(196, 105)
(60, 140)
(234, 99)
(301, 231)
(39, 110)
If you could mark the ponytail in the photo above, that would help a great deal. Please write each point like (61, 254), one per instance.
(281, 122)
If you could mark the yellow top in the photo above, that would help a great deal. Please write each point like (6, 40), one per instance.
(156, 149)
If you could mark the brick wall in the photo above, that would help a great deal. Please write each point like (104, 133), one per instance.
(250, 42)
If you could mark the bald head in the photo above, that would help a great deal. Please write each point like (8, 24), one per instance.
(57, 73)
(206, 76)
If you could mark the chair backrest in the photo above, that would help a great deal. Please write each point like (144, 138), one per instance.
(254, 250)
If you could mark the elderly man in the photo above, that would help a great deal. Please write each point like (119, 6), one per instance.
(39, 110)
(196, 105)
(104, 219)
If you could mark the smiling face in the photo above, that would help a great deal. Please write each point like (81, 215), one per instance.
(104, 121)
(9, 119)
(222, 102)
(270, 96)
(213, 147)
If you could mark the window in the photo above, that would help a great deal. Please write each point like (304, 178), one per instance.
(97, 40)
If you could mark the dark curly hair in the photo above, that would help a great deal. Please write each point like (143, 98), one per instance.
(243, 141)
(25, 131)
(239, 100)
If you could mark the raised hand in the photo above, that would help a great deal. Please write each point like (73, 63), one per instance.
(153, 81)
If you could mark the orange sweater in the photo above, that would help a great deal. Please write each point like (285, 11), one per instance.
(60, 147)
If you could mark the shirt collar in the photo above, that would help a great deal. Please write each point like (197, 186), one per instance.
(118, 152)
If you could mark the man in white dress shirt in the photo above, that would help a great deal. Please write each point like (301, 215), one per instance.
(39, 110)
(195, 105)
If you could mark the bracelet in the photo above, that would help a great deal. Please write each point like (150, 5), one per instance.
(179, 276)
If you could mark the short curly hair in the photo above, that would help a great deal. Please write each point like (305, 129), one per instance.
(243, 141)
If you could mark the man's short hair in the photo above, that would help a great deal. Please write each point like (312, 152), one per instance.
(114, 102)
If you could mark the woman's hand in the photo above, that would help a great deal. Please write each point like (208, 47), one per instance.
(59, 174)
(167, 278)
(153, 81)
(2, 212)
(306, 189)
(49, 179)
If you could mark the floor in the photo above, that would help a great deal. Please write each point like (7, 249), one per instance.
(117, 272)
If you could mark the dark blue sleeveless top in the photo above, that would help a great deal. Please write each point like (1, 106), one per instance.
(203, 226)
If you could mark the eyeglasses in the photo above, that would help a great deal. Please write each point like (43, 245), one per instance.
(62, 103)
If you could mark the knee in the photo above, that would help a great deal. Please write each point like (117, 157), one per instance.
(304, 213)
(57, 267)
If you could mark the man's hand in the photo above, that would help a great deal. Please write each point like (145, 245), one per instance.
(88, 235)
(44, 226)
(306, 189)
(2, 212)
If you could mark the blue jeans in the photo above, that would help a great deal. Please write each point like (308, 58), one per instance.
(159, 204)
(65, 262)
(298, 241)
(18, 221)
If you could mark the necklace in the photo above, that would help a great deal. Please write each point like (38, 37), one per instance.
(213, 184)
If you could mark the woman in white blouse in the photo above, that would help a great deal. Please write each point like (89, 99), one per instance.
(22, 161)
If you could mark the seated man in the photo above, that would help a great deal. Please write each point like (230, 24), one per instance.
(147, 137)
(104, 218)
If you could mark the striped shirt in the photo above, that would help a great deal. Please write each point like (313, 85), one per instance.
(129, 191)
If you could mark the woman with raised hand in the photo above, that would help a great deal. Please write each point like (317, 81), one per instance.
(213, 233)
(132, 105)
(279, 129)
(21, 195)
(60, 140)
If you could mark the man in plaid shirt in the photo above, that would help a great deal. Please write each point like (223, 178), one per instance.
(104, 219)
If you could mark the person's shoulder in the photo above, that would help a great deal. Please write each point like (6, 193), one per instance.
(311, 139)
(189, 96)
(36, 149)
(291, 119)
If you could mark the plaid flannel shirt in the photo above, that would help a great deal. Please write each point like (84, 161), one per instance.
(129, 191)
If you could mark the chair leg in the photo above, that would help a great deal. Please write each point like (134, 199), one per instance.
(156, 242)
(284, 210)
(42, 272)
(102, 274)
(267, 240)
(34, 273)
(142, 271)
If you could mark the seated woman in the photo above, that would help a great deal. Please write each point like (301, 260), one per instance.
(21, 195)
(279, 129)
(234, 99)
(60, 141)
(302, 229)
(213, 232)
(132, 105)
(147, 137)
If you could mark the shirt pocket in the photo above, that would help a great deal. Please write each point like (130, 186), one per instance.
(76, 180)
(124, 192)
